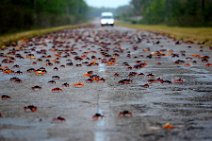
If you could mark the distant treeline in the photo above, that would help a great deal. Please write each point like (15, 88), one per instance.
(174, 12)
(26, 14)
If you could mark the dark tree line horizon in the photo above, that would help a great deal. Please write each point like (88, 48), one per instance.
(174, 12)
(17, 15)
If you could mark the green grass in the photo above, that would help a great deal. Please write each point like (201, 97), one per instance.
(5, 39)
(198, 35)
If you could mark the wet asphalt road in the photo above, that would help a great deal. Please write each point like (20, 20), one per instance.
(132, 84)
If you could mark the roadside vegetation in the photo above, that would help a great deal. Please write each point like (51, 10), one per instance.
(200, 35)
(186, 20)
(14, 37)
(22, 15)
(174, 12)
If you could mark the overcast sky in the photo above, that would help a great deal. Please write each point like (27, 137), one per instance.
(107, 3)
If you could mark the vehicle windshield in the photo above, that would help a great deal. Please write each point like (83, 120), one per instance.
(107, 17)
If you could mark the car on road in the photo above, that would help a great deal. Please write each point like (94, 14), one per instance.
(107, 18)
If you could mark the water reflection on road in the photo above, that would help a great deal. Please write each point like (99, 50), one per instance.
(137, 80)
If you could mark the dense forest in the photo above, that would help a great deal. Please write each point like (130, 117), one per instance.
(16, 15)
(174, 12)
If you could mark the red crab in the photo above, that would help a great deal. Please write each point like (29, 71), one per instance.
(35, 88)
(19, 72)
(59, 119)
(141, 74)
(150, 75)
(125, 81)
(178, 81)
(52, 82)
(132, 74)
(57, 90)
(79, 85)
(5, 97)
(31, 108)
(65, 84)
(55, 69)
(16, 80)
(56, 77)
(97, 116)
(145, 85)
(40, 71)
(125, 113)
(208, 65)
(8, 71)
(116, 74)
(31, 70)
(88, 74)
(168, 126)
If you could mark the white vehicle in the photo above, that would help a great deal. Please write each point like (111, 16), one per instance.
(107, 19)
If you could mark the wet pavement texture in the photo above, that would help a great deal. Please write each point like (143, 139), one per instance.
(105, 84)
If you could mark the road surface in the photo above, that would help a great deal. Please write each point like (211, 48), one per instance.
(105, 84)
